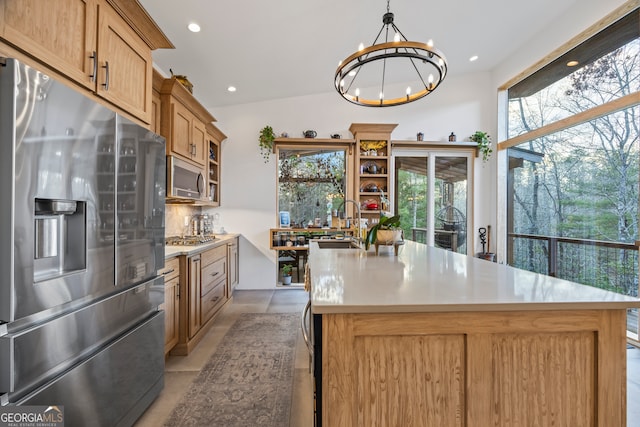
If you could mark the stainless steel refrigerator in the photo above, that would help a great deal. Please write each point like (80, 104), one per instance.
(82, 194)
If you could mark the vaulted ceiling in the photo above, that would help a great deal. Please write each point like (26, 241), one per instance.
(287, 48)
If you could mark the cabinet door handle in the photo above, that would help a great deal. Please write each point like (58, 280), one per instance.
(94, 71)
(106, 75)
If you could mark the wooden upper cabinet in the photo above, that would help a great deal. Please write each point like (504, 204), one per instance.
(199, 142)
(59, 33)
(102, 45)
(156, 102)
(179, 134)
(125, 68)
(184, 123)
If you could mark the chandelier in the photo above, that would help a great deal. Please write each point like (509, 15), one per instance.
(408, 60)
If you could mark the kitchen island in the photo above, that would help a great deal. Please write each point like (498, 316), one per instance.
(435, 338)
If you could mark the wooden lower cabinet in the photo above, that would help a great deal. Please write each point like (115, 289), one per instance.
(204, 287)
(171, 273)
(233, 262)
(213, 293)
(193, 291)
(543, 368)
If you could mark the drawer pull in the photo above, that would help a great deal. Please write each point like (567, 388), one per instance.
(215, 299)
(215, 274)
(169, 272)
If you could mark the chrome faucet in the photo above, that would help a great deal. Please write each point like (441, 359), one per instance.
(359, 224)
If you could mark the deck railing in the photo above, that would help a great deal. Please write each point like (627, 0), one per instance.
(607, 265)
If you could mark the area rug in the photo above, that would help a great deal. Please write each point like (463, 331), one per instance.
(249, 379)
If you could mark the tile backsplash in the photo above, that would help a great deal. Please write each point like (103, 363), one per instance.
(174, 218)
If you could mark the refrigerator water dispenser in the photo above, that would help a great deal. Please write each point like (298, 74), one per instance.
(59, 238)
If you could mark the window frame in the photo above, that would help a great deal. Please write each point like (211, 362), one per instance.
(619, 104)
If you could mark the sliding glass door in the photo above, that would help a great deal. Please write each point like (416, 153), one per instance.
(432, 191)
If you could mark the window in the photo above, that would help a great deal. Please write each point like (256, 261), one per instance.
(311, 187)
(311, 184)
(573, 164)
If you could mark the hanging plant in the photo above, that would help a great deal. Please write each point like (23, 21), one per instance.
(484, 143)
(265, 141)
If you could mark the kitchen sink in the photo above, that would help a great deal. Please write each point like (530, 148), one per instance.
(338, 244)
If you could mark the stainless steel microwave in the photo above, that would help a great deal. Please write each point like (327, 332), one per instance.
(185, 180)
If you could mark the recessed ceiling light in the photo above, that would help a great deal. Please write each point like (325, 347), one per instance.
(473, 58)
(193, 27)
(231, 88)
(572, 63)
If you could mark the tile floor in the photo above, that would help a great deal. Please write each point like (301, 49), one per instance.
(180, 371)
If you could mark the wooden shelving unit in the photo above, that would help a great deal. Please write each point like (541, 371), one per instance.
(372, 155)
(297, 239)
(214, 140)
(348, 143)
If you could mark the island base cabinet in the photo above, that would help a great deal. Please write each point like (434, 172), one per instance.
(559, 368)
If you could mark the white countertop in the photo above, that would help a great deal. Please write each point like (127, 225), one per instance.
(171, 251)
(428, 279)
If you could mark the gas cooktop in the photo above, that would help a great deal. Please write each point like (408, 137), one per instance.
(188, 240)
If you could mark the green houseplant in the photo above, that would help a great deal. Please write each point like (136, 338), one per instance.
(387, 231)
(484, 143)
(265, 142)
(286, 274)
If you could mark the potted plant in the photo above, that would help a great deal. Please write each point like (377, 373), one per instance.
(286, 274)
(265, 141)
(484, 143)
(386, 232)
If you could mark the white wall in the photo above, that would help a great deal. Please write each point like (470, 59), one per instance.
(461, 105)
